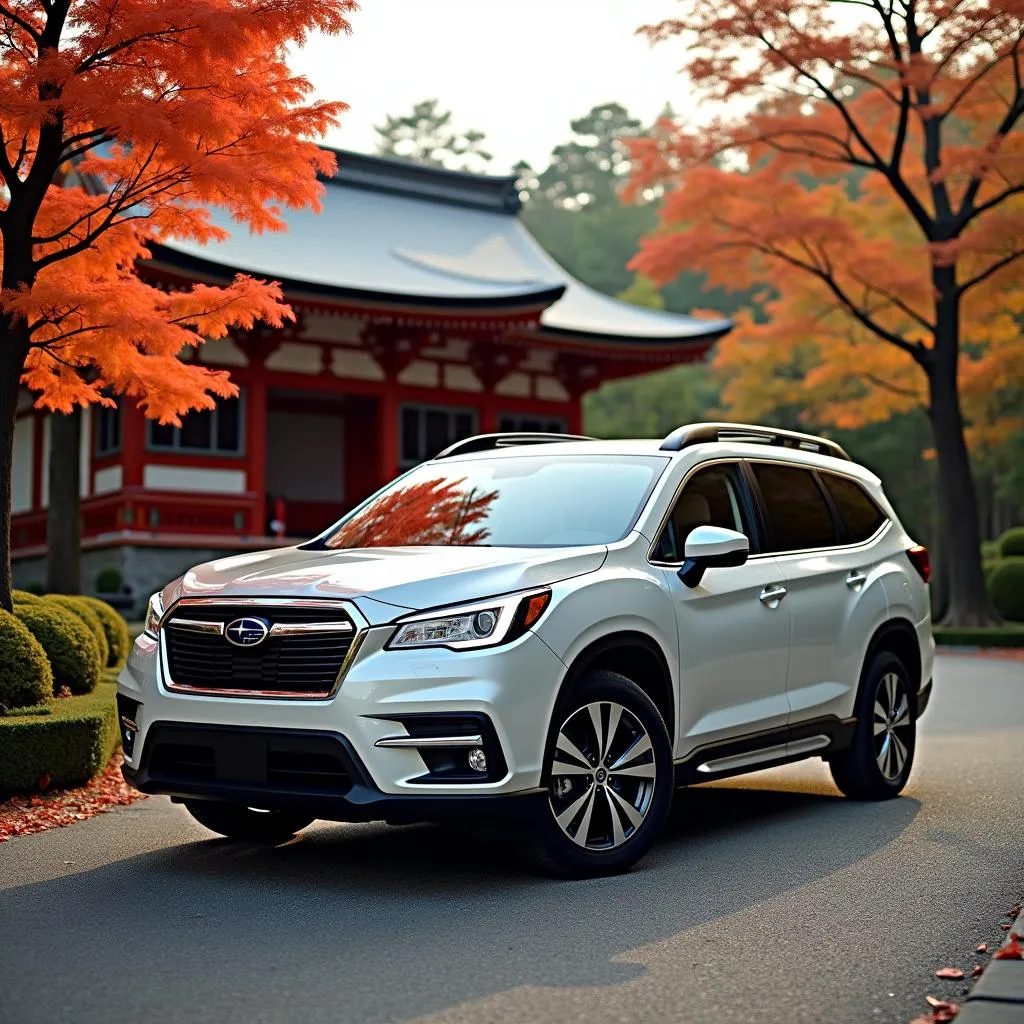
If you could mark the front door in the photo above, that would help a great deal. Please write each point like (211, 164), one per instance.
(734, 627)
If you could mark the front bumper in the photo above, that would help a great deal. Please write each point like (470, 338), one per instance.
(512, 688)
(321, 775)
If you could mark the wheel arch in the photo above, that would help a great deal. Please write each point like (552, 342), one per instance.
(630, 653)
(899, 637)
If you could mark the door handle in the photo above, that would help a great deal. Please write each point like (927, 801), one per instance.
(856, 579)
(771, 596)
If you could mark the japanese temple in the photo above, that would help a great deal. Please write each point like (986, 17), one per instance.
(425, 312)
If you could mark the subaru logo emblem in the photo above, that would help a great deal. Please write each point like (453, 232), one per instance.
(246, 632)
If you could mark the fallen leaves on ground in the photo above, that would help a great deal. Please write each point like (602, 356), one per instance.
(23, 815)
(982, 948)
(942, 1012)
(949, 973)
(1013, 950)
(976, 970)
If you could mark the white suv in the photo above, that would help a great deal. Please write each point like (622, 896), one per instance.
(553, 631)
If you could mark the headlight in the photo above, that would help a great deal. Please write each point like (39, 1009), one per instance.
(484, 624)
(154, 614)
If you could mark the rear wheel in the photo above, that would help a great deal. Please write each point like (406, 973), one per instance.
(609, 779)
(237, 822)
(877, 763)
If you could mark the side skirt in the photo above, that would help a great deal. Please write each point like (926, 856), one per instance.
(816, 737)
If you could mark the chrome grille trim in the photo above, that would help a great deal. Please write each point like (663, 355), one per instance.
(198, 627)
(306, 628)
(358, 623)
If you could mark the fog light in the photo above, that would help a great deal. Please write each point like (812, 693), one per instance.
(477, 760)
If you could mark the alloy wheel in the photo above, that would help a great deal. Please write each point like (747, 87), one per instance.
(892, 726)
(603, 776)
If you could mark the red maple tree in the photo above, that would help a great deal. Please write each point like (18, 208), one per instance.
(834, 110)
(121, 122)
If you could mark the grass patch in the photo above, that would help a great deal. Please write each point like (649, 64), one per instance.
(1009, 635)
(66, 746)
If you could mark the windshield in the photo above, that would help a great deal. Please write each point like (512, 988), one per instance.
(517, 501)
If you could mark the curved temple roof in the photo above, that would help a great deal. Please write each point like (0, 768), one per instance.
(422, 235)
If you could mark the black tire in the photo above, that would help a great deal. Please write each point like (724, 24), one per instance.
(237, 822)
(870, 768)
(639, 795)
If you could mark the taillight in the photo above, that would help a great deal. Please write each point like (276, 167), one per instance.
(921, 561)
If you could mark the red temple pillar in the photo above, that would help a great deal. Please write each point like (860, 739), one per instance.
(256, 447)
(133, 456)
(387, 433)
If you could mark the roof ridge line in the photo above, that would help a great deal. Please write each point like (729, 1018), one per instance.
(496, 193)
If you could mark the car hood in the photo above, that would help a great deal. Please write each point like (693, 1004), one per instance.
(408, 578)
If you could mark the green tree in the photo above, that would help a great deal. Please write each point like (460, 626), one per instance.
(425, 136)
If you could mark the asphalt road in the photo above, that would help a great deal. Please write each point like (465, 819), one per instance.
(770, 899)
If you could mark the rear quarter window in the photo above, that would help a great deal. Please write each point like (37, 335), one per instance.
(859, 513)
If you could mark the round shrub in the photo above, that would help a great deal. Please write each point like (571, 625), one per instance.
(109, 580)
(69, 644)
(24, 597)
(25, 676)
(88, 615)
(1011, 543)
(1006, 589)
(116, 629)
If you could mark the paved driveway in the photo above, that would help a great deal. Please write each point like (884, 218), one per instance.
(770, 899)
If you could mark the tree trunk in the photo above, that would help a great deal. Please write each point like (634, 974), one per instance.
(13, 350)
(64, 516)
(938, 549)
(968, 600)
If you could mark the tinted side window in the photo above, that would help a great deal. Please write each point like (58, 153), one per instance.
(711, 497)
(861, 516)
(798, 515)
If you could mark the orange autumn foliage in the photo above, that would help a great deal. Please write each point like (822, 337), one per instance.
(121, 121)
(866, 162)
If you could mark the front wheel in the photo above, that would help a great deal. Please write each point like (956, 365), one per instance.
(609, 778)
(237, 822)
(877, 763)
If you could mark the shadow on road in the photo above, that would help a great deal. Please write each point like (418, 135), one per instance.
(372, 924)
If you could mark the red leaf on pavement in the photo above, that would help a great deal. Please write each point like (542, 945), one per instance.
(976, 970)
(949, 973)
(983, 948)
(44, 781)
(1013, 950)
(1015, 909)
(1005, 927)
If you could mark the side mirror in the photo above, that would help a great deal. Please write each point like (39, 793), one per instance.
(709, 546)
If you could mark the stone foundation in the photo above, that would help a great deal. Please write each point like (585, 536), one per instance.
(144, 570)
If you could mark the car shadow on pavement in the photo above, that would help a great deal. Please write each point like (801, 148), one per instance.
(369, 923)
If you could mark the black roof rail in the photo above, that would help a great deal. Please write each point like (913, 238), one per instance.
(700, 433)
(488, 442)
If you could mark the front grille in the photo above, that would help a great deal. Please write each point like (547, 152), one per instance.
(306, 665)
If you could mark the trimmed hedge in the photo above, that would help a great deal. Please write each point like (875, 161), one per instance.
(116, 629)
(1011, 543)
(69, 644)
(24, 597)
(109, 580)
(70, 745)
(25, 675)
(1006, 588)
(88, 615)
(967, 636)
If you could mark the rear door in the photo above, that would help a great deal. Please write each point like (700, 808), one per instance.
(733, 633)
(834, 592)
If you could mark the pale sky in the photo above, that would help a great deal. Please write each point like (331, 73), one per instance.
(518, 70)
